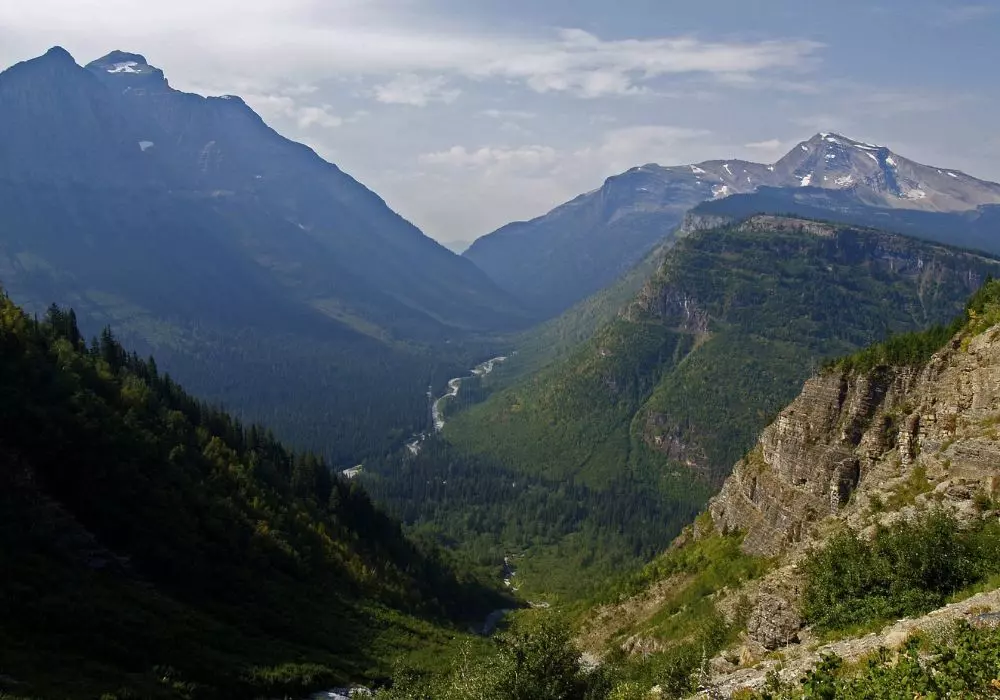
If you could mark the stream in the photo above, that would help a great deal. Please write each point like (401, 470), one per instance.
(454, 384)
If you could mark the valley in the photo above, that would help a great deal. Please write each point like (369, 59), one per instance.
(716, 429)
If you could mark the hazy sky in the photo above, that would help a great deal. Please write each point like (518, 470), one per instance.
(467, 114)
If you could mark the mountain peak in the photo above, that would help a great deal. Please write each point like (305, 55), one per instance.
(130, 68)
(831, 138)
(58, 53)
(117, 57)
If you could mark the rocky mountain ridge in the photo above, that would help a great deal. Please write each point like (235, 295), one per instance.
(587, 243)
(862, 448)
(900, 440)
(852, 436)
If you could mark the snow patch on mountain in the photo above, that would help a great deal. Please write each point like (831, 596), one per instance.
(124, 67)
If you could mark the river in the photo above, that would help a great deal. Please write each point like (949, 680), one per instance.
(454, 384)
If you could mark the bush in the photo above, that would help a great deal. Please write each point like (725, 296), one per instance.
(965, 666)
(906, 569)
(534, 661)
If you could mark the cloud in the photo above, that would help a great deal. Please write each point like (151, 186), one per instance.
(618, 150)
(304, 116)
(522, 157)
(415, 90)
(507, 114)
(583, 64)
(621, 149)
(269, 40)
(769, 145)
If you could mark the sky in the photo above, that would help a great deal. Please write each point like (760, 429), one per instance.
(465, 115)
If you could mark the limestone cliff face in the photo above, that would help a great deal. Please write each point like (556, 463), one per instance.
(852, 444)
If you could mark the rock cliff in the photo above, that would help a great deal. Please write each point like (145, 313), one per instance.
(858, 448)
(853, 442)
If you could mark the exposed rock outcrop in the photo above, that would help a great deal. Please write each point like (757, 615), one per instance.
(858, 449)
(850, 441)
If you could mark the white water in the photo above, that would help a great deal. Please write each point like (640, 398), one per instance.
(454, 384)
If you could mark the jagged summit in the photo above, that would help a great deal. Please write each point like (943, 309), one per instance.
(555, 260)
(131, 70)
(122, 62)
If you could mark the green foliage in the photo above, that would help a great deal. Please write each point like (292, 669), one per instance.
(144, 530)
(906, 493)
(485, 509)
(905, 569)
(536, 660)
(716, 562)
(981, 312)
(667, 397)
(964, 666)
(559, 337)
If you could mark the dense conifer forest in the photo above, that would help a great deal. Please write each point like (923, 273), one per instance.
(153, 545)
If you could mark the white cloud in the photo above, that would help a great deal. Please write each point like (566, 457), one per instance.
(769, 145)
(304, 116)
(626, 147)
(522, 157)
(507, 114)
(525, 181)
(269, 40)
(963, 14)
(415, 90)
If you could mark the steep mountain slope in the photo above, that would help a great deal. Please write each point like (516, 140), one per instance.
(237, 255)
(722, 335)
(873, 496)
(677, 387)
(580, 247)
(155, 547)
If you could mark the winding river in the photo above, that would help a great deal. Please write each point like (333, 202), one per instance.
(454, 384)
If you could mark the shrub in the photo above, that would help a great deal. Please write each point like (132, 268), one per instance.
(905, 569)
(965, 666)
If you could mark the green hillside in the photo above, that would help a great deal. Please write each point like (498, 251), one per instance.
(155, 547)
(675, 389)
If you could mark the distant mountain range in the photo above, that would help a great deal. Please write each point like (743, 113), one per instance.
(553, 261)
(262, 275)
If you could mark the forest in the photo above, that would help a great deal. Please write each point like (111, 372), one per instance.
(156, 546)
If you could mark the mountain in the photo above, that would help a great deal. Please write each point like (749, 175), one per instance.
(668, 395)
(852, 553)
(975, 228)
(156, 547)
(863, 518)
(243, 260)
(555, 260)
